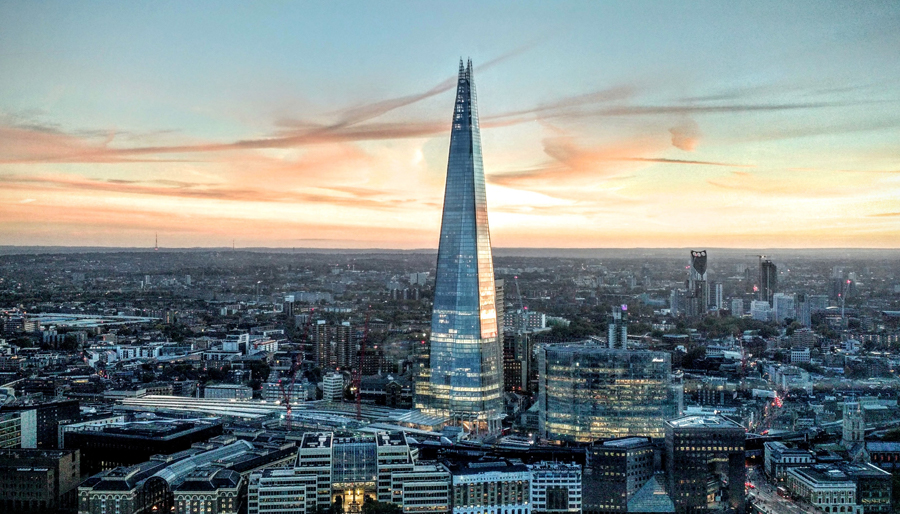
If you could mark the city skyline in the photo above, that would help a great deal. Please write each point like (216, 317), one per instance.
(293, 126)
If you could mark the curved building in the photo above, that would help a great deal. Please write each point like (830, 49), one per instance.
(587, 392)
(465, 377)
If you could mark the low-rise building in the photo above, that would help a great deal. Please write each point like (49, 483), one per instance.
(824, 487)
(228, 391)
(38, 480)
(491, 487)
(780, 457)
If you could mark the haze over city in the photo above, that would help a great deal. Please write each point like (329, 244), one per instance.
(603, 125)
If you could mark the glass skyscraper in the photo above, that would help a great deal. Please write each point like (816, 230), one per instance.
(587, 392)
(465, 378)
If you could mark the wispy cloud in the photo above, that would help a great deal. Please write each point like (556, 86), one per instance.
(349, 197)
(578, 166)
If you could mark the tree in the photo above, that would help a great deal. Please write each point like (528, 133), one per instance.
(371, 506)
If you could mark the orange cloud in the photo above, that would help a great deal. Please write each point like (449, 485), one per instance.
(685, 135)
(581, 167)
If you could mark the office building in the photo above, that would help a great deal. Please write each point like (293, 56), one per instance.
(47, 416)
(779, 458)
(617, 331)
(587, 392)
(783, 307)
(697, 286)
(719, 298)
(556, 487)
(615, 471)
(338, 469)
(800, 355)
(38, 481)
(768, 280)
(465, 380)
(737, 307)
(106, 447)
(333, 387)
(425, 489)
(705, 464)
(491, 487)
(826, 489)
(760, 310)
(18, 429)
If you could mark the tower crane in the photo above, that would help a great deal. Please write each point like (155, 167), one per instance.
(287, 393)
(522, 308)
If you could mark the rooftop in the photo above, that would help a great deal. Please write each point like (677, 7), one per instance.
(627, 442)
(703, 422)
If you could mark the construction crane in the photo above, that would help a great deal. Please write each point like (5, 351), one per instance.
(523, 310)
(287, 393)
(357, 374)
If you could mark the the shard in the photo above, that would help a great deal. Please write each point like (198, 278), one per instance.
(465, 379)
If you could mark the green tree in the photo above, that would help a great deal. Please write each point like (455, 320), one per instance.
(371, 506)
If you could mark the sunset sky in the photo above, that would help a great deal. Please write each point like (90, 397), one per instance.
(326, 124)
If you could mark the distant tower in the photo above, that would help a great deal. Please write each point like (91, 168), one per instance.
(854, 426)
(156, 242)
(768, 280)
(697, 285)
(466, 368)
(618, 328)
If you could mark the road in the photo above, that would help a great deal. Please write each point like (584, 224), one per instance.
(765, 496)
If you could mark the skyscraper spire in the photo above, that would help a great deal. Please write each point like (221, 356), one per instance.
(465, 381)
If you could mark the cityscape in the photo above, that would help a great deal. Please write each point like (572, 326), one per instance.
(159, 356)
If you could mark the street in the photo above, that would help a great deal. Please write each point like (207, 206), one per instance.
(765, 496)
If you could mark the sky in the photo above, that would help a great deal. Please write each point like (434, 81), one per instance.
(327, 124)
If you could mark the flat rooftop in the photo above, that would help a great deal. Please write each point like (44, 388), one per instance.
(626, 442)
(703, 422)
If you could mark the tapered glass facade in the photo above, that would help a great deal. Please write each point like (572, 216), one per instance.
(589, 392)
(465, 379)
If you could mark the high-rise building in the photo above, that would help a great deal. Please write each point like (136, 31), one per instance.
(617, 332)
(705, 464)
(737, 307)
(615, 471)
(333, 387)
(783, 307)
(719, 299)
(335, 345)
(804, 310)
(500, 303)
(587, 392)
(768, 280)
(465, 380)
(697, 285)
(760, 310)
